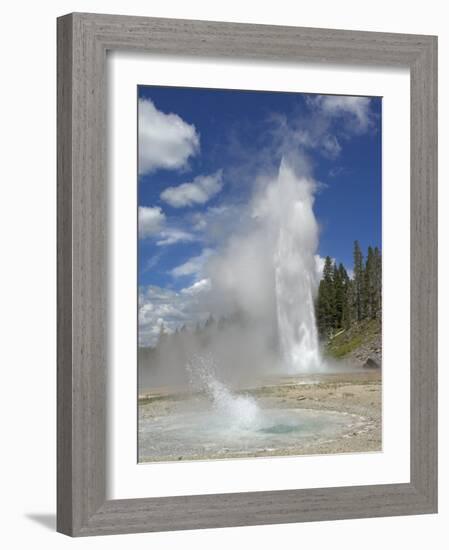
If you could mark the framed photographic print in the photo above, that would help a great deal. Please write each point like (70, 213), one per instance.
(246, 274)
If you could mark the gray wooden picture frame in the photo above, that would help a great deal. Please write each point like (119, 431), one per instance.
(83, 40)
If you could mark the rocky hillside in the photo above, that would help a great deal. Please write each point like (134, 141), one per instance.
(360, 344)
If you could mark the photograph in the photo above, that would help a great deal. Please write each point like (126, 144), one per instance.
(259, 238)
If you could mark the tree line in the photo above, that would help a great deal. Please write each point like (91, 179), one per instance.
(342, 300)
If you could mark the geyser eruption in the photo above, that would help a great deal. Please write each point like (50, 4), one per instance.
(231, 424)
(262, 282)
(295, 271)
(268, 272)
(238, 411)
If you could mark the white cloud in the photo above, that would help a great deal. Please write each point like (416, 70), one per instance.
(165, 140)
(153, 224)
(215, 223)
(151, 220)
(336, 171)
(330, 146)
(194, 266)
(151, 262)
(356, 109)
(199, 287)
(172, 235)
(199, 191)
(164, 307)
(330, 121)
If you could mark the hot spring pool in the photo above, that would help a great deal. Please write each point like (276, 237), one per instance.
(206, 434)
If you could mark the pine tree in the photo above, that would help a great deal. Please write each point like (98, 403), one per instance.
(348, 309)
(326, 300)
(342, 301)
(377, 298)
(338, 297)
(320, 310)
(341, 283)
(358, 282)
(369, 285)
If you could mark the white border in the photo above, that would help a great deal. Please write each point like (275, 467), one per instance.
(127, 479)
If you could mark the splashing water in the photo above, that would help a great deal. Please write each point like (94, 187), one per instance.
(240, 411)
(295, 272)
(236, 426)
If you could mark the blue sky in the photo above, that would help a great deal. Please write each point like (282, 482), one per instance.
(202, 153)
